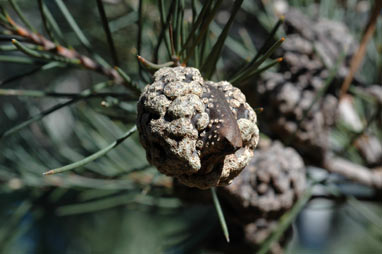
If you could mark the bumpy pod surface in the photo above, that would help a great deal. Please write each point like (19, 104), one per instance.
(296, 112)
(257, 232)
(201, 132)
(270, 184)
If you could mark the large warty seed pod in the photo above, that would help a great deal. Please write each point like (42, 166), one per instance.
(201, 132)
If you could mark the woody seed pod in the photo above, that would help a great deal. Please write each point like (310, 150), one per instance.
(273, 180)
(201, 132)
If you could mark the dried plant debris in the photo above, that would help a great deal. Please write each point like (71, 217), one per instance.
(201, 132)
(375, 91)
(370, 148)
(270, 184)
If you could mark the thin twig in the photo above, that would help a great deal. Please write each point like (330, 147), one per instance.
(357, 58)
(342, 198)
(352, 171)
(64, 53)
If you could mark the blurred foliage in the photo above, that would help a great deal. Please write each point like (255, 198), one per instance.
(118, 203)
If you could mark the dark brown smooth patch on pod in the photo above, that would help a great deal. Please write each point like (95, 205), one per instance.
(219, 110)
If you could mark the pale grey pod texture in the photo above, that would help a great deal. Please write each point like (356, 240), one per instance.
(201, 132)
(269, 186)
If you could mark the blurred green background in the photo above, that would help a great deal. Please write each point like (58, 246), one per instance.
(119, 203)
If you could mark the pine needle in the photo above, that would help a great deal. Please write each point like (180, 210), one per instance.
(92, 157)
(220, 214)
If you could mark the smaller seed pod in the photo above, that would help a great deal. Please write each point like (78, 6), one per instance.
(273, 180)
(201, 132)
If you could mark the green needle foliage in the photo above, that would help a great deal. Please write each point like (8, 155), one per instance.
(71, 73)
